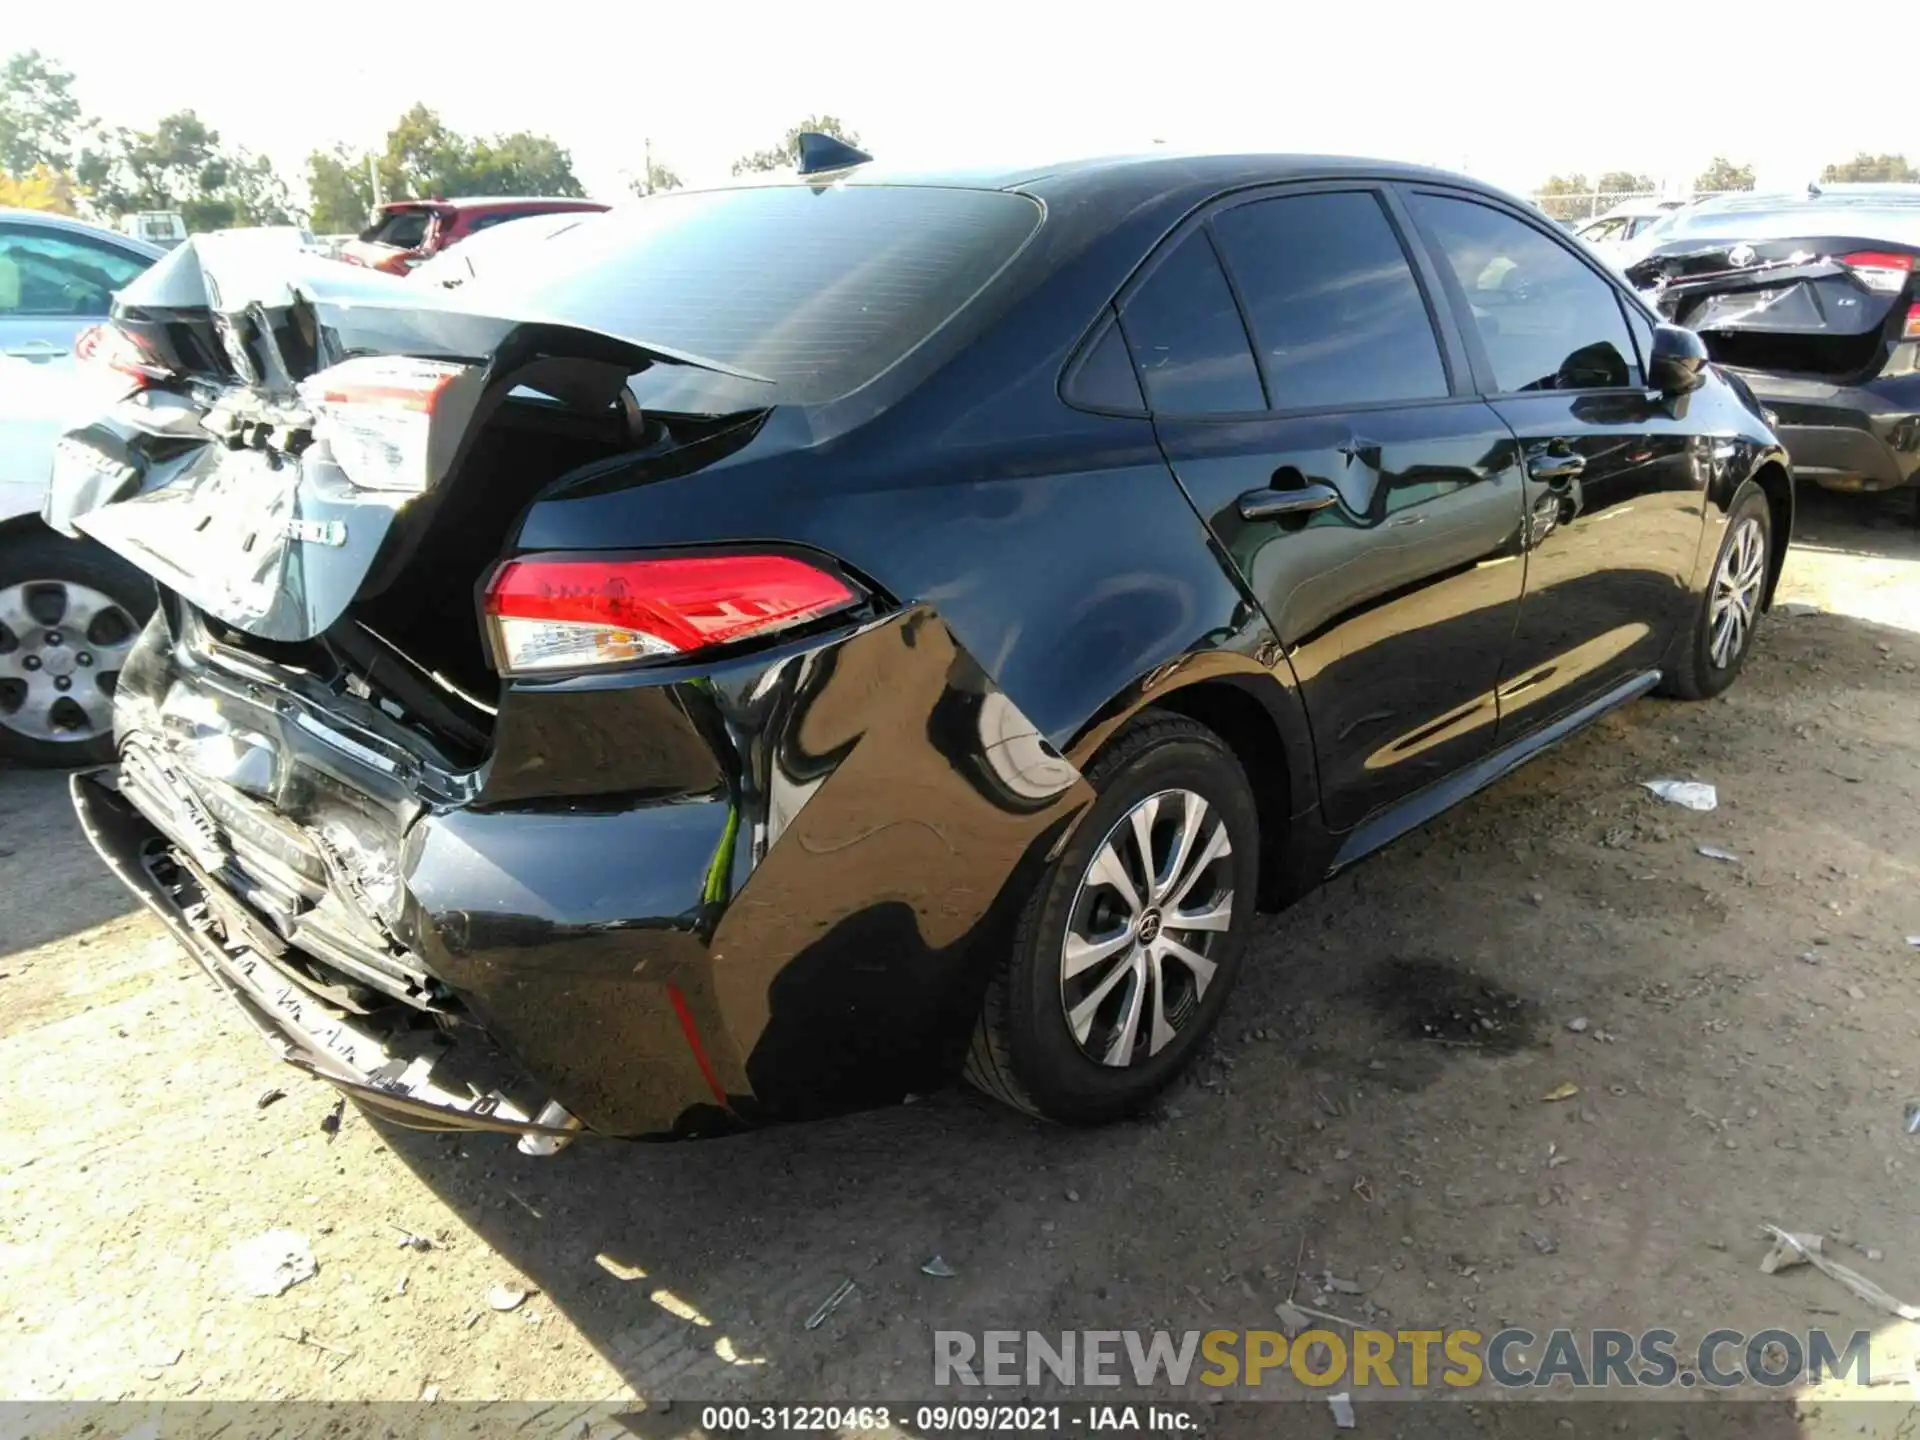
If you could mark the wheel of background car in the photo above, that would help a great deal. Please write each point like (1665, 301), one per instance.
(1707, 660)
(1127, 950)
(69, 614)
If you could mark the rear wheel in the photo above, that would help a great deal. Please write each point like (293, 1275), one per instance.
(69, 613)
(1129, 945)
(1707, 660)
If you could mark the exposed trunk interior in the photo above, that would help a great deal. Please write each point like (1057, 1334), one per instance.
(1829, 357)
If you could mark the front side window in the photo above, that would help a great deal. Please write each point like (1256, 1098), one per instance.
(46, 272)
(1546, 321)
(1187, 338)
(1336, 315)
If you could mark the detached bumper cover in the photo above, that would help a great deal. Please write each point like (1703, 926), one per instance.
(412, 1075)
(1845, 432)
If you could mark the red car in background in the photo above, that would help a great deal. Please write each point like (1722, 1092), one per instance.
(405, 233)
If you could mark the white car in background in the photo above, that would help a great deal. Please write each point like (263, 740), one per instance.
(69, 609)
(1619, 235)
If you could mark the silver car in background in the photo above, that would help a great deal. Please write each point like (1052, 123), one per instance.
(69, 609)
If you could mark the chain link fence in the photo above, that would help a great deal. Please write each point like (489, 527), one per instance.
(1578, 207)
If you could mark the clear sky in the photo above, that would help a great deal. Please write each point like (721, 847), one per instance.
(1508, 91)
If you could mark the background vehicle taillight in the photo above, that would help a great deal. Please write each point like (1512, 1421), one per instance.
(111, 348)
(1882, 270)
(375, 413)
(574, 614)
(1912, 329)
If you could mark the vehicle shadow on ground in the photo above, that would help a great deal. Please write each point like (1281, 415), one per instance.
(1884, 525)
(1305, 1130)
(52, 885)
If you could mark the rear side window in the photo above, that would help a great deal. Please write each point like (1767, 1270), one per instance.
(50, 272)
(818, 289)
(406, 229)
(1546, 321)
(1336, 315)
(1187, 338)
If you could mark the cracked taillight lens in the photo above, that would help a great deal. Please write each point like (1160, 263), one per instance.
(578, 614)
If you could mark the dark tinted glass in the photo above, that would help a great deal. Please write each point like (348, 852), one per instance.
(1336, 316)
(1187, 339)
(1105, 380)
(817, 289)
(403, 228)
(1546, 320)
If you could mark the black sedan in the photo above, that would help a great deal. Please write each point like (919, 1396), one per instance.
(1812, 298)
(803, 641)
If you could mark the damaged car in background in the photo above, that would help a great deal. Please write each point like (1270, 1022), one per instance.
(801, 642)
(1811, 298)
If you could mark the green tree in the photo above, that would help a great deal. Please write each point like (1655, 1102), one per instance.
(339, 191)
(659, 176)
(1565, 197)
(1624, 182)
(1723, 174)
(785, 154)
(180, 165)
(423, 157)
(1865, 167)
(519, 164)
(38, 115)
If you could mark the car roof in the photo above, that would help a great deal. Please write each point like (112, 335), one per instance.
(49, 221)
(1642, 205)
(495, 202)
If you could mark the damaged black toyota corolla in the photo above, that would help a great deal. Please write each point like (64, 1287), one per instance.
(815, 638)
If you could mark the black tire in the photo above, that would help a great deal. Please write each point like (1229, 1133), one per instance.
(1024, 1051)
(36, 567)
(1692, 672)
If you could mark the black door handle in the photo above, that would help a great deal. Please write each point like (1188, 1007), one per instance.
(1270, 504)
(1553, 467)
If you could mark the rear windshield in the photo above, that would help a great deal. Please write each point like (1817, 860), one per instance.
(406, 229)
(817, 290)
(1861, 215)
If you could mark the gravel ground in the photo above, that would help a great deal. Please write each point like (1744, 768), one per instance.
(1735, 1039)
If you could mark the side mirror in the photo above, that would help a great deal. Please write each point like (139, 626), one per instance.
(1678, 363)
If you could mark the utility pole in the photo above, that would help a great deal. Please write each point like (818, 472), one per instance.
(646, 175)
(373, 179)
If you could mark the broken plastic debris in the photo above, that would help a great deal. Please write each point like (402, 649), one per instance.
(506, 1297)
(1914, 941)
(1913, 1116)
(1807, 1249)
(1293, 1320)
(1714, 852)
(1342, 1407)
(938, 1268)
(1578, 1024)
(619, 1269)
(273, 1263)
(832, 1303)
(1694, 794)
(267, 1097)
(1565, 1090)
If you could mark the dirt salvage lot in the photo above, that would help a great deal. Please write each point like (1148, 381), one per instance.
(1374, 1105)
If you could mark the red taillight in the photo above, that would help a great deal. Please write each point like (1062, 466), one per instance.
(1882, 270)
(578, 614)
(1912, 330)
(112, 348)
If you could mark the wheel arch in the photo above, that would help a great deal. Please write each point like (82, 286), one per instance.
(1260, 720)
(1776, 483)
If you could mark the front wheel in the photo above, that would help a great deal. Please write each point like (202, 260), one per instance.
(69, 613)
(1707, 659)
(1128, 947)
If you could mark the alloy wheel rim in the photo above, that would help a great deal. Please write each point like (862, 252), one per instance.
(62, 645)
(1148, 922)
(1736, 593)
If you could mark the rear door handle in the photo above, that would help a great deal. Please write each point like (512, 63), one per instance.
(1268, 504)
(1552, 467)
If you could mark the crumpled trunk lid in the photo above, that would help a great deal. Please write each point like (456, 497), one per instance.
(221, 480)
(1784, 305)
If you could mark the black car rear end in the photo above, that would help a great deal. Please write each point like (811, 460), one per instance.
(1813, 299)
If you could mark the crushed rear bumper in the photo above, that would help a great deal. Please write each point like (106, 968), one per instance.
(1845, 436)
(410, 1073)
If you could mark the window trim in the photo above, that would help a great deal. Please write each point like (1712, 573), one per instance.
(1107, 324)
(1485, 382)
